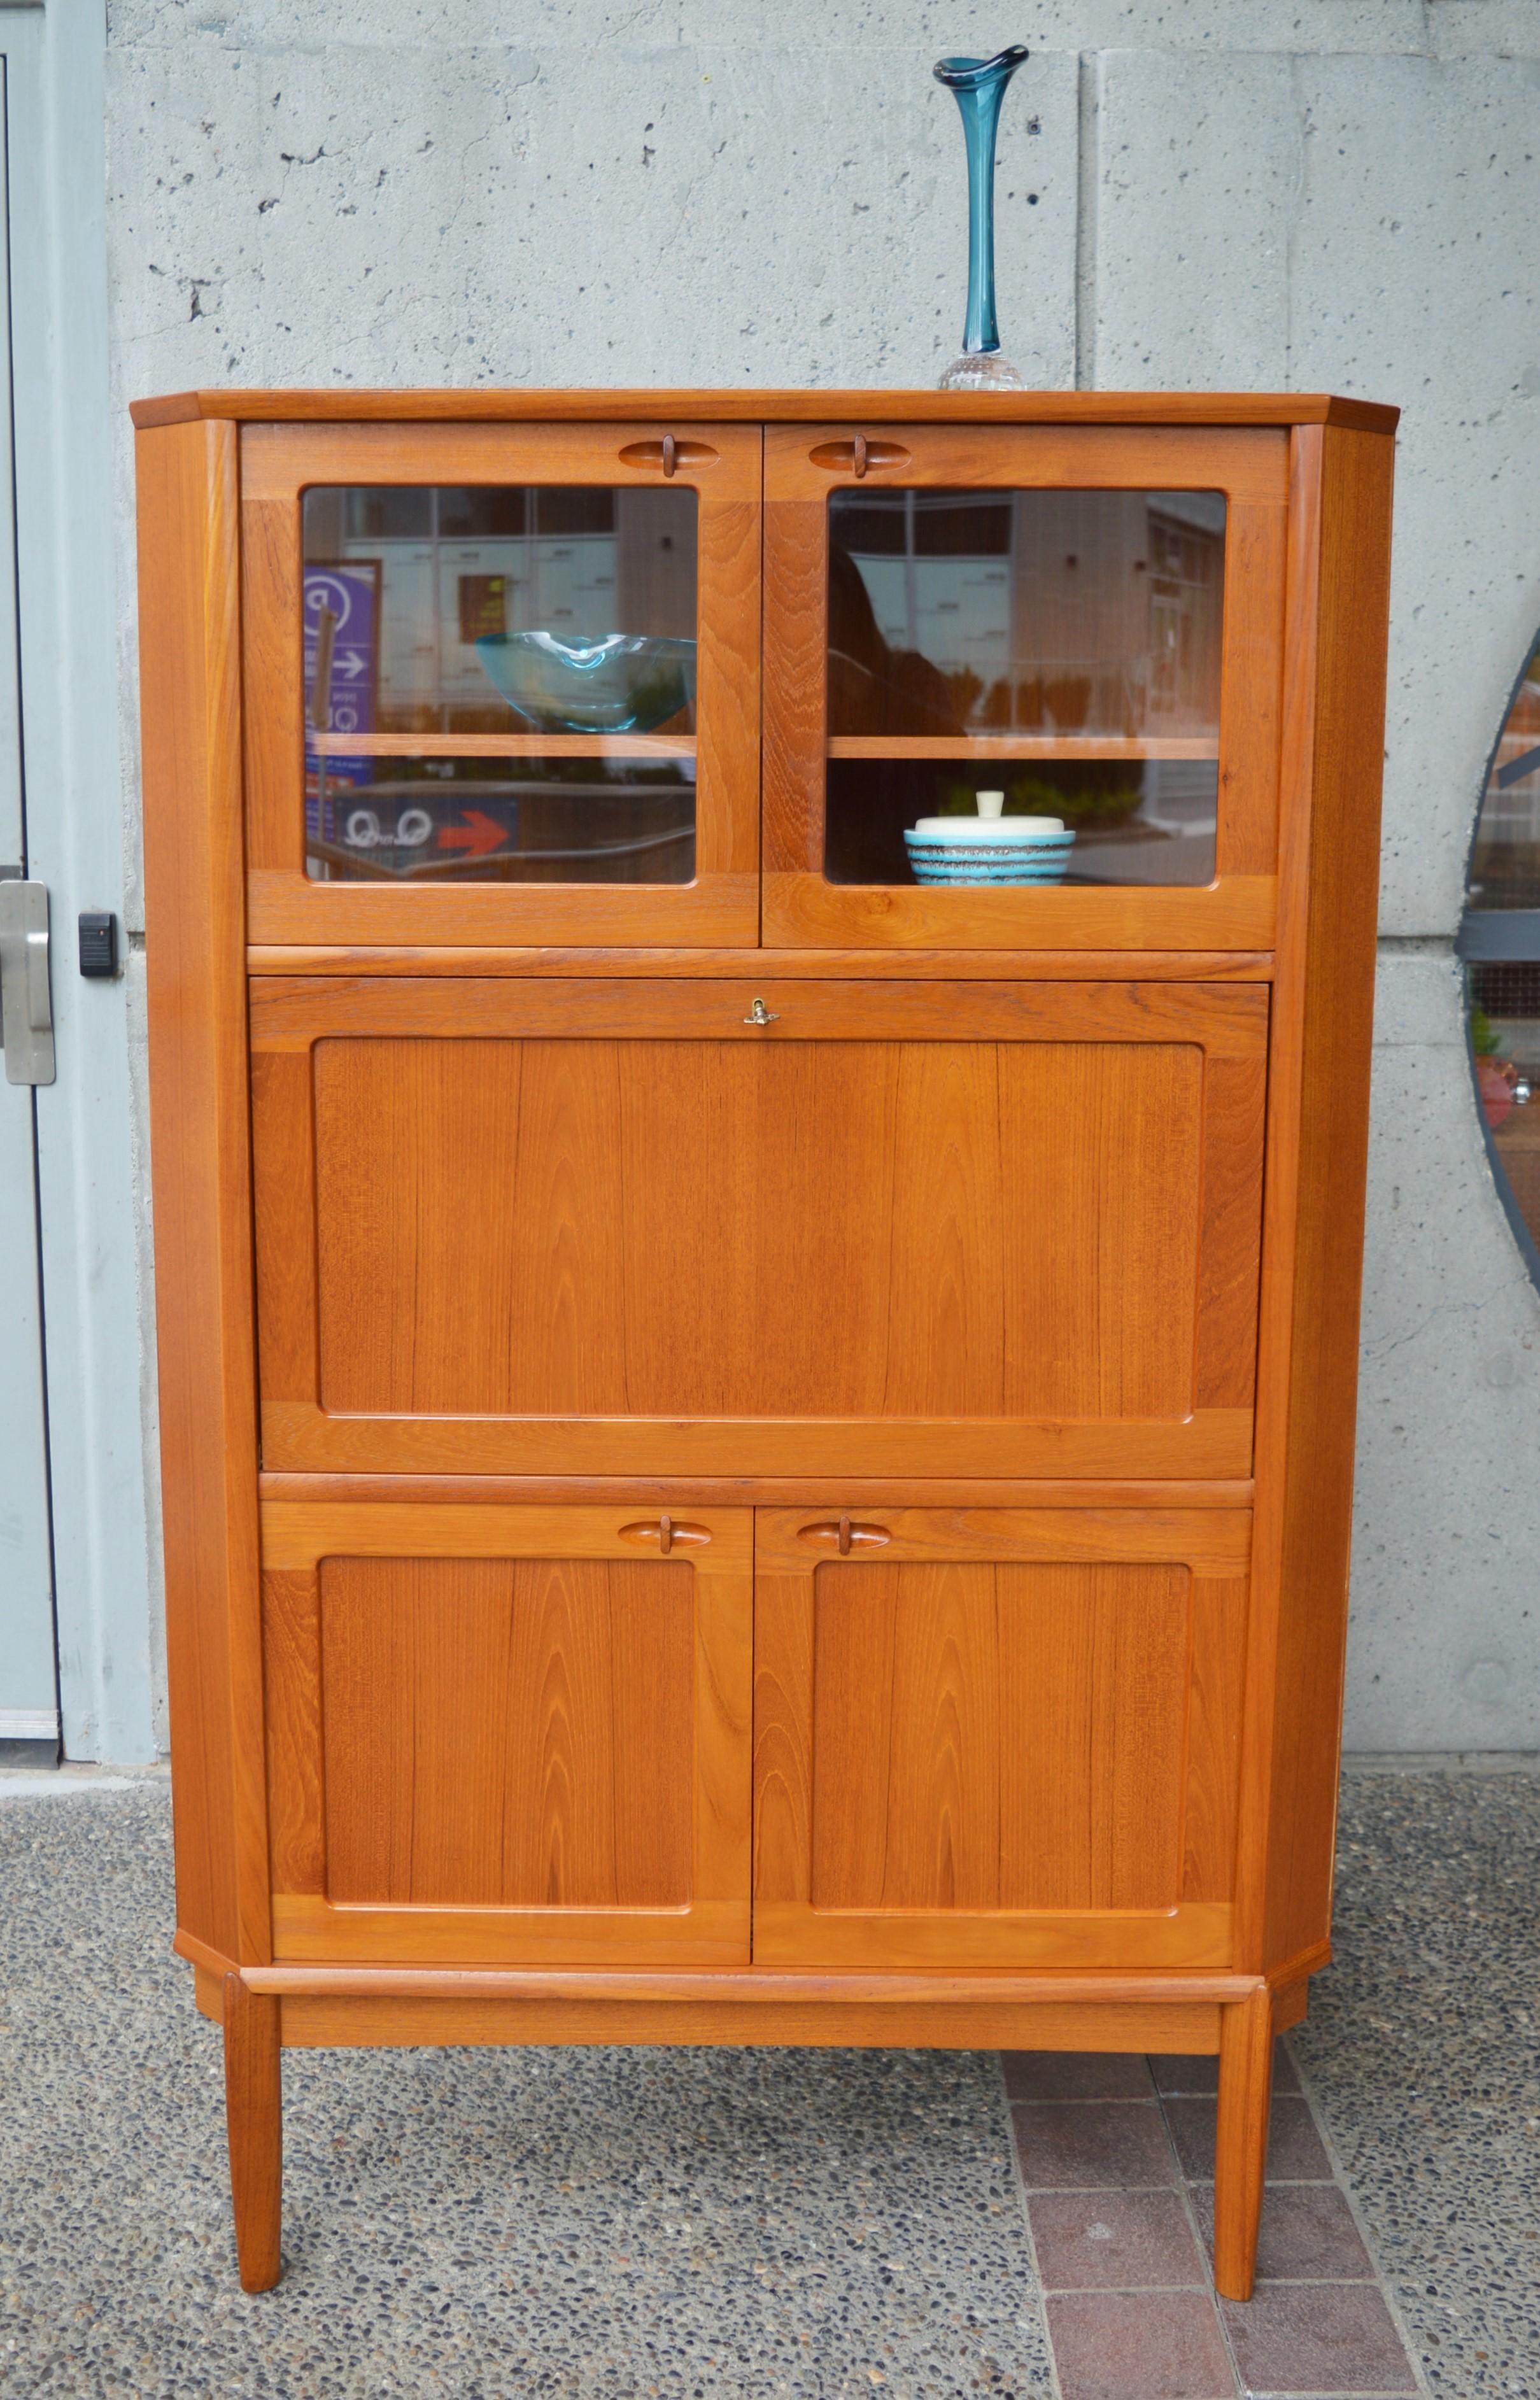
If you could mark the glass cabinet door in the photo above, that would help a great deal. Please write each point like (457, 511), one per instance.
(1022, 687)
(505, 683)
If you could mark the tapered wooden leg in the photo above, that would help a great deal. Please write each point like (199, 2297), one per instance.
(253, 2111)
(1240, 2161)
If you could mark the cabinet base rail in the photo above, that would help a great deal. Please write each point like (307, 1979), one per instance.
(266, 2010)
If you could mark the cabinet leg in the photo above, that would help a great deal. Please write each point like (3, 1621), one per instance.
(1240, 2162)
(253, 2110)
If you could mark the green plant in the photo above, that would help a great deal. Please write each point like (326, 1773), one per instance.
(1080, 797)
(1484, 1040)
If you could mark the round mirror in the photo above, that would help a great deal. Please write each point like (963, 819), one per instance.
(1500, 943)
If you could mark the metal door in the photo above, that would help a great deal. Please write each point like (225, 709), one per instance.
(29, 1683)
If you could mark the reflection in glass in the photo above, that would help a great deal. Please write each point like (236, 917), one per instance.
(1078, 631)
(1502, 992)
(480, 667)
(1503, 1019)
(1505, 865)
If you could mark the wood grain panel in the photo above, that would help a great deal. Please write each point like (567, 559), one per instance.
(995, 1737)
(1185, 2028)
(478, 405)
(1216, 1700)
(1235, 1103)
(998, 1737)
(1213, 1541)
(1318, 1146)
(1228, 1019)
(504, 1733)
(934, 1492)
(722, 903)
(1042, 967)
(299, 1533)
(707, 1933)
(749, 1986)
(680, 1214)
(1195, 1934)
(190, 711)
(802, 909)
(283, 1170)
(1251, 680)
(1206, 1442)
(296, 1799)
(907, 1737)
(578, 1246)
(508, 1734)
(1101, 1313)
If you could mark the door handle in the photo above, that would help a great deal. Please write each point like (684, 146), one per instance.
(26, 1002)
(858, 457)
(844, 1534)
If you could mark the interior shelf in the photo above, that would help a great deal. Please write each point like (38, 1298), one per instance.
(501, 746)
(1023, 745)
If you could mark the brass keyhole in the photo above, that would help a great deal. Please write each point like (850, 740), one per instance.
(759, 1013)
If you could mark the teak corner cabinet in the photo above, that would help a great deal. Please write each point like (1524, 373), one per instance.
(758, 1448)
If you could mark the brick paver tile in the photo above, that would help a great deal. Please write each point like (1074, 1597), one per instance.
(1138, 2346)
(1088, 2145)
(1076, 2074)
(1201, 2074)
(1294, 2151)
(1307, 2230)
(1113, 2241)
(1336, 2337)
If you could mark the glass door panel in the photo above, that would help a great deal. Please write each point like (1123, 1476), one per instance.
(501, 684)
(1060, 647)
(516, 707)
(1042, 660)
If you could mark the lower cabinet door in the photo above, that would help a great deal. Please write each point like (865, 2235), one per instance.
(504, 1735)
(998, 1738)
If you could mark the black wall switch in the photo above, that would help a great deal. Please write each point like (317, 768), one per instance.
(97, 942)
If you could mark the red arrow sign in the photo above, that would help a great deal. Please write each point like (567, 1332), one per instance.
(477, 835)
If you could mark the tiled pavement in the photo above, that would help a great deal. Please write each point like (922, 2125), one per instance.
(778, 2225)
(1116, 2158)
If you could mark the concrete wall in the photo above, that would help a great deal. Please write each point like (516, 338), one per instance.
(1339, 195)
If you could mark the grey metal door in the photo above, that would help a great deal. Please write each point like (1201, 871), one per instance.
(29, 1677)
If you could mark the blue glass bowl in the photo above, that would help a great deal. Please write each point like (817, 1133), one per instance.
(1041, 860)
(626, 684)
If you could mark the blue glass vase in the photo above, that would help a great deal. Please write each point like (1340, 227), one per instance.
(979, 86)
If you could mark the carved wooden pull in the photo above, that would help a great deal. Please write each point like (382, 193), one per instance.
(858, 457)
(666, 1535)
(844, 1534)
(671, 453)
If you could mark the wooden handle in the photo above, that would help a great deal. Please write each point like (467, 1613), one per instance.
(842, 1534)
(668, 1533)
(669, 454)
(858, 457)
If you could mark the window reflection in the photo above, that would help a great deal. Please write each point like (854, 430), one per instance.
(499, 683)
(1077, 633)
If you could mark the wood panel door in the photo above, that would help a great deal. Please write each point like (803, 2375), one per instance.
(507, 1734)
(648, 1227)
(998, 1738)
(504, 683)
(1086, 619)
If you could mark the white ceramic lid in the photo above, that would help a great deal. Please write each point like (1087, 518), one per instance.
(987, 831)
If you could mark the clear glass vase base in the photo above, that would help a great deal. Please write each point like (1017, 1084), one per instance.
(981, 370)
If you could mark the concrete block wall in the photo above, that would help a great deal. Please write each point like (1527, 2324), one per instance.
(1311, 194)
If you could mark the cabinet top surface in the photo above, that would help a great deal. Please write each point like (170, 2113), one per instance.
(349, 404)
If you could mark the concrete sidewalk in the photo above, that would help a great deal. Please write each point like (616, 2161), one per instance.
(630, 2223)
